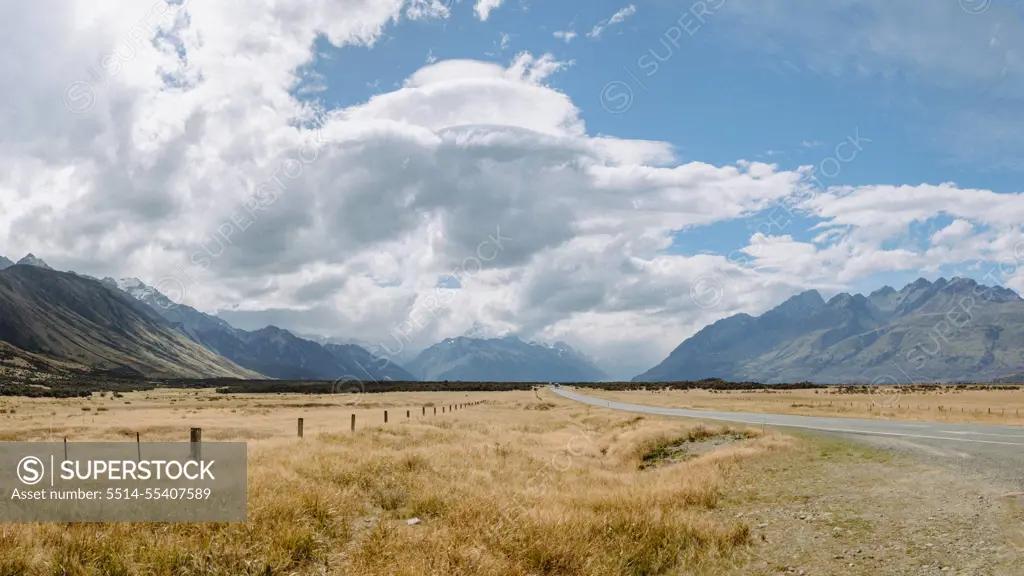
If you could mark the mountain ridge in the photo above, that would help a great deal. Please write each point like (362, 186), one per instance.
(271, 351)
(506, 359)
(72, 319)
(890, 335)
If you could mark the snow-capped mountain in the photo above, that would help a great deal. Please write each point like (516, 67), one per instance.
(507, 359)
(31, 260)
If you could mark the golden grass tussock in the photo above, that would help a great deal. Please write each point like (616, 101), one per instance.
(956, 404)
(503, 488)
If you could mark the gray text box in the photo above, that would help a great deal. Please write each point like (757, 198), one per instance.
(122, 482)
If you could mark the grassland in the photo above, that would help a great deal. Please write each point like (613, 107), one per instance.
(519, 483)
(969, 404)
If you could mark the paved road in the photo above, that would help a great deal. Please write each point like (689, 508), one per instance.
(997, 449)
(951, 433)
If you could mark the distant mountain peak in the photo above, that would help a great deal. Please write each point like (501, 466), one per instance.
(504, 359)
(126, 283)
(803, 304)
(5, 263)
(31, 259)
(919, 284)
(808, 297)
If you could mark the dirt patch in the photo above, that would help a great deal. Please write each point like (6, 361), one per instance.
(666, 453)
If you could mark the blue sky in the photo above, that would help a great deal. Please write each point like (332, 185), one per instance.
(662, 74)
(716, 100)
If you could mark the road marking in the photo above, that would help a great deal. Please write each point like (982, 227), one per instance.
(690, 414)
(979, 433)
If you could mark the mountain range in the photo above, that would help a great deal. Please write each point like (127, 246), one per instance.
(506, 359)
(947, 330)
(270, 352)
(955, 330)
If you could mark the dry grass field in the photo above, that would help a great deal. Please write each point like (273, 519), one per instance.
(521, 483)
(944, 404)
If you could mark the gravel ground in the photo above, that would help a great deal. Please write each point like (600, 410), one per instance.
(878, 507)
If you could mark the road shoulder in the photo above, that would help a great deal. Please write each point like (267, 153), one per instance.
(838, 506)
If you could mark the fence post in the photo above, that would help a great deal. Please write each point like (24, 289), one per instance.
(353, 422)
(385, 416)
(195, 443)
(424, 410)
(407, 415)
(300, 427)
(435, 410)
(65, 448)
(138, 446)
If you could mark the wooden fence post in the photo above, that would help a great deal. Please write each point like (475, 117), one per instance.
(424, 410)
(407, 415)
(65, 448)
(353, 422)
(435, 410)
(300, 427)
(195, 443)
(385, 416)
(138, 446)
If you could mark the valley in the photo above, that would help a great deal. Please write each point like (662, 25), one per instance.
(518, 482)
(511, 288)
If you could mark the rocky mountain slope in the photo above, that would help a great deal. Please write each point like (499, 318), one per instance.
(75, 320)
(943, 331)
(506, 359)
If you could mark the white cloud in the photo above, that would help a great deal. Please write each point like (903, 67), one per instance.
(957, 230)
(565, 35)
(483, 8)
(622, 15)
(617, 18)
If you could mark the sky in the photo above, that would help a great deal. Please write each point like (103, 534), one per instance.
(614, 175)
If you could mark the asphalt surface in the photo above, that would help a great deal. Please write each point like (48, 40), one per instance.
(996, 450)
